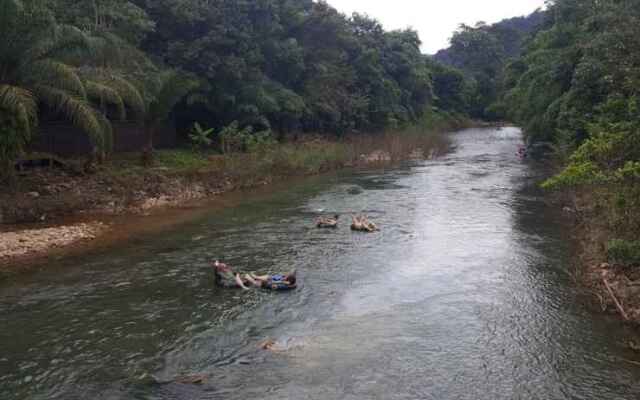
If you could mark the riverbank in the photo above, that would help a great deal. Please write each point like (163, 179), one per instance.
(616, 287)
(44, 201)
(26, 243)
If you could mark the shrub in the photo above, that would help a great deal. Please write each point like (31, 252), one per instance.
(200, 137)
(260, 142)
(181, 159)
(233, 139)
(623, 252)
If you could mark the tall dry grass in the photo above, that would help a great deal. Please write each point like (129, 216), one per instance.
(313, 155)
(393, 147)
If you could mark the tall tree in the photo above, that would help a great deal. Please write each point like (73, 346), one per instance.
(578, 86)
(32, 71)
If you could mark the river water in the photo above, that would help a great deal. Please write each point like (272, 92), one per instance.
(466, 293)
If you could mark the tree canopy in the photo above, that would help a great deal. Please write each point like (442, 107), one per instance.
(293, 64)
(570, 76)
(482, 52)
(271, 65)
(577, 86)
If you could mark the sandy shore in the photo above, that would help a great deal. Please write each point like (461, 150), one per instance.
(28, 243)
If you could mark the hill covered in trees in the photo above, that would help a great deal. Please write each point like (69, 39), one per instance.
(482, 52)
(508, 35)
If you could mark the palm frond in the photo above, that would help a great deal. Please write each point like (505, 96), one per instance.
(130, 95)
(55, 74)
(63, 39)
(128, 92)
(109, 49)
(21, 102)
(115, 52)
(76, 109)
(106, 95)
(174, 87)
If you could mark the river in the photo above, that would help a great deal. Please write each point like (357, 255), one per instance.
(466, 293)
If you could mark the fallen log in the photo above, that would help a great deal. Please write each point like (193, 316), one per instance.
(615, 299)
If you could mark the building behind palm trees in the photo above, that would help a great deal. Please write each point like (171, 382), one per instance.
(63, 139)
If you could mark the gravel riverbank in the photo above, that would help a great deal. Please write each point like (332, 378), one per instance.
(19, 245)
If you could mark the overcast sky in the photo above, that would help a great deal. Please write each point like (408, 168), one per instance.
(436, 19)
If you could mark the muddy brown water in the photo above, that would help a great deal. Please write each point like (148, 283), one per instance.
(466, 293)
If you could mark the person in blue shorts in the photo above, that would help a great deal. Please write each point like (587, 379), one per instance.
(274, 282)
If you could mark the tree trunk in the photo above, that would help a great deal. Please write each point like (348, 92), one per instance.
(96, 15)
(147, 151)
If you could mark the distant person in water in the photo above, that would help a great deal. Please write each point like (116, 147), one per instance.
(361, 223)
(522, 152)
(328, 222)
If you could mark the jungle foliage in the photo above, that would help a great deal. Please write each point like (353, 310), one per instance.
(275, 66)
(577, 86)
(482, 52)
(570, 76)
(290, 65)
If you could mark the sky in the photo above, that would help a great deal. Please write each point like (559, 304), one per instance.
(436, 20)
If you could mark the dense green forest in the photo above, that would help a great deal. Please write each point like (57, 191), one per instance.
(577, 86)
(482, 52)
(570, 76)
(596, 111)
(260, 69)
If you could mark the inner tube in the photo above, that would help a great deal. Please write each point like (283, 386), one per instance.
(280, 286)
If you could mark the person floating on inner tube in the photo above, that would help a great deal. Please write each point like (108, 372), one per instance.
(226, 277)
(522, 152)
(328, 222)
(361, 223)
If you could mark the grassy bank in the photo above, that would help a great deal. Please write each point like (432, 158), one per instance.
(600, 182)
(123, 184)
(608, 251)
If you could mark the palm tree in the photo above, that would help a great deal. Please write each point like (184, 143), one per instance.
(63, 69)
(169, 88)
(32, 46)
